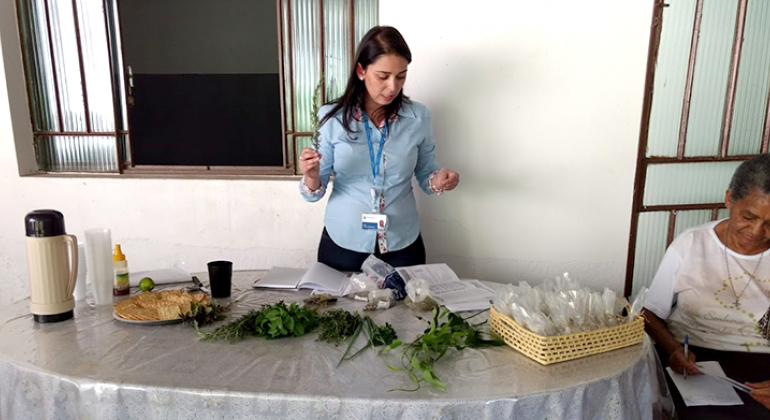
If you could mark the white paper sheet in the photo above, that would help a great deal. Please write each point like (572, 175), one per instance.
(162, 276)
(281, 278)
(705, 389)
(460, 291)
(432, 273)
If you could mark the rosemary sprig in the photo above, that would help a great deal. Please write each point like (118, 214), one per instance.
(234, 330)
(314, 110)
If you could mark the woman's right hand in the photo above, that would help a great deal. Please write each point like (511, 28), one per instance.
(678, 363)
(309, 162)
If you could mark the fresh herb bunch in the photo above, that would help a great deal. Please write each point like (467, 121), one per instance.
(314, 110)
(202, 314)
(447, 330)
(234, 330)
(279, 320)
(375, 336)
(272, 321)
(337, 325)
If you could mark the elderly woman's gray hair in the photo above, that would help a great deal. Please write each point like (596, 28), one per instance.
(754, 173)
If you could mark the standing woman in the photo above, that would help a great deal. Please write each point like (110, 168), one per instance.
(375, 140)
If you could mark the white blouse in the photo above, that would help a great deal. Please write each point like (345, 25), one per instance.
(694, 294)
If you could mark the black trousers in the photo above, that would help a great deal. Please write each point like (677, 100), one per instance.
(343, 259)
(751, 367)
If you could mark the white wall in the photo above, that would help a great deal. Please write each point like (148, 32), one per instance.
(537, 105)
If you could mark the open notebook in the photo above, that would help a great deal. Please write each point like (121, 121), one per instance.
(319, 277)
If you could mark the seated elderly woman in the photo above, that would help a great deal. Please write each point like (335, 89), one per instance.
(713, 286)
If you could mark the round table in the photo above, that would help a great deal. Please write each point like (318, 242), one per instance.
(95, 367)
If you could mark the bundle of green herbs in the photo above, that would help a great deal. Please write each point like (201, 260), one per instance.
(447, 330)
(202, 314)
(272, 321)
(337, 325)
(316, 107)
(375, 336)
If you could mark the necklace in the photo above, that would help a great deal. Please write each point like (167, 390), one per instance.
(737, 303)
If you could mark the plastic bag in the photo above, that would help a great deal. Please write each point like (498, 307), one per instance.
(360, 286)
(379, 299)
(376, 269)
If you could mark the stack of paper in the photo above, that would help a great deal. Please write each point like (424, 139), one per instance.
(448, 290)
(320, 277)
(711, 388)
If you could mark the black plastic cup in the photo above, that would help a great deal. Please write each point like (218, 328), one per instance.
(220, 278)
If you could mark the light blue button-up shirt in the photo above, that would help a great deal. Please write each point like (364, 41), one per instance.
(409, 151)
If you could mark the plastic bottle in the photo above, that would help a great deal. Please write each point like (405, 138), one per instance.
(120, 267)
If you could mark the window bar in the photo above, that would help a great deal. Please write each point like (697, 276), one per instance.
(688, 84)
(695, 159)
(291, 66)
(352, 32)
(113, 33)
(281, 89)
(322, 49)
(82, 66)
(740, 24)
(79, 133)
(27, 62)
(53, 66)
(766, 131)
(714, 214)
(641, 155)
(671, 227)
(682, 207)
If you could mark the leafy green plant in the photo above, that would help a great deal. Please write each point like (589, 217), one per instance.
(375, 336)
(272, 321)
(337, 325)
(447, 330)
(234, 330)
(314, 110)
(279, 320)
(202, 314)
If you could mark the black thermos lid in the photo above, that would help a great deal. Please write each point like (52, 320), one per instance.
(42, 223)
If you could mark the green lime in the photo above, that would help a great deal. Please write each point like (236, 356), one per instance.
(146, 284)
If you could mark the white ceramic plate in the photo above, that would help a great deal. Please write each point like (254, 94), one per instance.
(159, 322)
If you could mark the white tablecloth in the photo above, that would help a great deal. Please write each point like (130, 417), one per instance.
(94, 367)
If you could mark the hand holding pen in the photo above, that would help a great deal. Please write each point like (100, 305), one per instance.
(682, 360)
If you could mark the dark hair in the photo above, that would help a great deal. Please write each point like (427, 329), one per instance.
(379, 41)
(753, 173)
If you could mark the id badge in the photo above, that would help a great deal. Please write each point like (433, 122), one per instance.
(374, 221)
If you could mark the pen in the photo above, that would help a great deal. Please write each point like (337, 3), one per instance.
(686, 352)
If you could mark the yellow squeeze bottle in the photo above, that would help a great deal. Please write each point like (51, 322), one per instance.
(120, 268)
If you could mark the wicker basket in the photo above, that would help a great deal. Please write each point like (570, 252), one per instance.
(560, 348)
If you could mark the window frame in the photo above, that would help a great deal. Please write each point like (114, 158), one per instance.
(643, 161)
(125, 165)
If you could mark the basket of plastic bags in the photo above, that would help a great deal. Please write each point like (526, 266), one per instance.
(559, 320)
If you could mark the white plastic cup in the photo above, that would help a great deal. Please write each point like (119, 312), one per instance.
(80, 285)
(99, 263)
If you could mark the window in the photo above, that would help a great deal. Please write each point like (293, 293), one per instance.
(182, 86)
(705, 112)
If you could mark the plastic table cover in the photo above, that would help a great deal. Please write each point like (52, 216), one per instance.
(95, 367)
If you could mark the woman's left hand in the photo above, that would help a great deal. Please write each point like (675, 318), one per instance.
(445, 180)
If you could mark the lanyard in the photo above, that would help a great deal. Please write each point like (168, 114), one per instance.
(375, 163)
